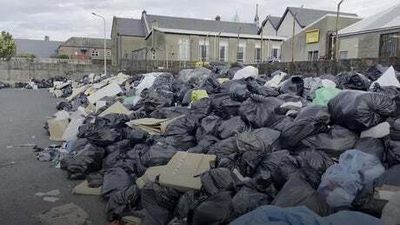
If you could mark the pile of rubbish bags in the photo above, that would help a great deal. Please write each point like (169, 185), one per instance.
(4, 85)
(231, 146)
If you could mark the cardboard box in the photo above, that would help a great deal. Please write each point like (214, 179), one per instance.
(57, 128)
(117, 107)
(184, 169)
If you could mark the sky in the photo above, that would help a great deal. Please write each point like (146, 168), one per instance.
(61, 19)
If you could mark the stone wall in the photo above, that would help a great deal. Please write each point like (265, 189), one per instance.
(22, 70)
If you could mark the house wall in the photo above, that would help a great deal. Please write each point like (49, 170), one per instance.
(269, 30)
(286, 27)
(363, 45)
(75, 53)
(167, 45)
(350, 45)
(124, 45)
(301, 48)
(368, 45)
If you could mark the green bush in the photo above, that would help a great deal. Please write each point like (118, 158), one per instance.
(62, 57)
(7, 45)
(26, 55)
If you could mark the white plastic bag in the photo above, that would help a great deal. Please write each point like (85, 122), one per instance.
(387, 79)
(248, 71)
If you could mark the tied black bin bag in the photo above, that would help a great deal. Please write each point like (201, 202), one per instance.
(352, 80)
(294, 85)
(216, 210)
(310, 121)
(358, 110)
(247, 200)
(297, 192)
(260, 111)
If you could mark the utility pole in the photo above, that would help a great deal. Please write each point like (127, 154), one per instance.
(293, 34)
(262, 43)
(337, 32)
(238, 41)
(219, 42)
(105, 42)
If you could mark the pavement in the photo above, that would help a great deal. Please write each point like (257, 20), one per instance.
(22, 117)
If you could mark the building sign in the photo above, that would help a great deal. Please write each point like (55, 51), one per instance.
(312, 36)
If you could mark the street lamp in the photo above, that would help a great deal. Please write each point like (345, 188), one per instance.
(337, 32)
(105, 41)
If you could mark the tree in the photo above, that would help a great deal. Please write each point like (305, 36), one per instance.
(7, 45)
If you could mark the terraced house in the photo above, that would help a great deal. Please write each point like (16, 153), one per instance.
(155, 37)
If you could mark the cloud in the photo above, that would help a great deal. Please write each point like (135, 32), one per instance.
(62, 19)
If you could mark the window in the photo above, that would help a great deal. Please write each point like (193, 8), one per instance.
(316, 56)
(95, 53)
(223, 51)
(343, 54)
(184, 50)
(313, 56)
(241, 52)
(389, 45)
(258, 55)
(203, 50)
(275, 52)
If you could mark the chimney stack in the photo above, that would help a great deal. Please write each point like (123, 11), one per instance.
(46, 38)
(217, 18)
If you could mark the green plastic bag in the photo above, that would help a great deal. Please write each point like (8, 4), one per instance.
(323, 95)
(199, 94)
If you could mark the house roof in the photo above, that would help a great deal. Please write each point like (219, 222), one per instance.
(39, 48)
(129, 27)
(305, 17)
(274, 20)
(190, 24)
(84, 42)
(385, 20)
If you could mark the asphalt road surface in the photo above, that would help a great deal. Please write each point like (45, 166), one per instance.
(22, 116)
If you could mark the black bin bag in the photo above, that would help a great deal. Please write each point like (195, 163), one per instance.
(260, 111)
(358, 110)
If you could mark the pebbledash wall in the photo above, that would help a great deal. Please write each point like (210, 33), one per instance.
(23, 70)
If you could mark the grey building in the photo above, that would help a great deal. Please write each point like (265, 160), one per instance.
(315, 41)
(302, 17)
(127, 35)
(270, 25)
(39, 48)
(188, 39)
(377, 36)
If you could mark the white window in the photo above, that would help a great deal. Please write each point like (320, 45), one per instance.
(223, 51)
(275, 52)
(313, 56)
(257, 56)
(203, 50)
(241, 52)
(184, 50)
(343, 54)
(95, 53)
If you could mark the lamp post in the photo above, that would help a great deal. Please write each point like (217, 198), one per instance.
(105, 41)
(337, 32)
